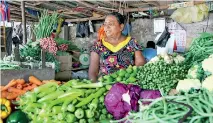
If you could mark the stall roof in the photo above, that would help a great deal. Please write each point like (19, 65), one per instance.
(79, 10)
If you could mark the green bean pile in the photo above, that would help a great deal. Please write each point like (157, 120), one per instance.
(46, 24)
(186, 108)
(160, 75)
(200, 49)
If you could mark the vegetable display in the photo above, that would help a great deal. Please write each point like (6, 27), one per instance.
(33, 50)
(46, 24)
(121, 99)
(18, 87)
(162, 73)
(71, 46)
(194, 107)
(200, 49)
(69, 102)
(48, 44)
(9, 66)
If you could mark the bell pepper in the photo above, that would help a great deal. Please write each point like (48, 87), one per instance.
(82, 121)
(5, 108)
(70, 118)
(71, 108)
(91, 120)
(102, 117)
(97, 114)
(108, 87)
(17, 117)
(93, 106)
(109, 116)
(104, 111)
(69, 100)
(101, 99)
(79, 113)
(89, 113)
(56, 109)
(105, 121)
(61, 116)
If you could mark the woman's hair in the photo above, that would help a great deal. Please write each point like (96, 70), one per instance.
(120, 18)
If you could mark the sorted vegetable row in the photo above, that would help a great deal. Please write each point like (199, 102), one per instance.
(67, 103)
(162, 72)
(17, 87)
(194, 107)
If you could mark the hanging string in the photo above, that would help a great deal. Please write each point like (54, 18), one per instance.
(113, 4)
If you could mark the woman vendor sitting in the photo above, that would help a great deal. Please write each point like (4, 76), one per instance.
(114, 51)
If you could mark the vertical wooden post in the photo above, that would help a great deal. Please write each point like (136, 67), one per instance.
(23, 22)
(43, 60)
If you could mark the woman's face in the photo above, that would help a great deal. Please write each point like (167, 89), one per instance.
(112, 26)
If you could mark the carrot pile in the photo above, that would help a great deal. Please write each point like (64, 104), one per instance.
(17, 87)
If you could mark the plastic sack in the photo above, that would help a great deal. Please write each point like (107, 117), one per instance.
(191, 14)
(80, 75)
(162, 40)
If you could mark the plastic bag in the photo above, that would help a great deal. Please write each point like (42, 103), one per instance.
(91, 29)
(191, 14)
(80, 30)
(161, 42)
(80, 75)
(86, 30)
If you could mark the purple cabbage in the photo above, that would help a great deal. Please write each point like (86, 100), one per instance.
(149, 94)
(116, 105)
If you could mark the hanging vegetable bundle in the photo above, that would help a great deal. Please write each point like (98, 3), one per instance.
(46, 24)
(48, 44)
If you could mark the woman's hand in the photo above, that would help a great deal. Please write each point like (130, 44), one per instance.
(139, 58)
(94, 66)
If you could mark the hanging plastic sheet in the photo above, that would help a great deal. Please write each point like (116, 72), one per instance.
(9, 32)
(80, 30)
(86, 30)
(5, 11)
(32, 12)
(162, 40)
(127, 29)
(91, 29)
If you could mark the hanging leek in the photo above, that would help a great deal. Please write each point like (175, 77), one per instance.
(46, 24)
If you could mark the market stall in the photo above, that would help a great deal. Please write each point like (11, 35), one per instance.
(175, 85)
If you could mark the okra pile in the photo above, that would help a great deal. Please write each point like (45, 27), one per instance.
(161, 75)
(75, 101)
